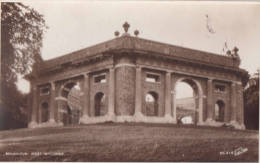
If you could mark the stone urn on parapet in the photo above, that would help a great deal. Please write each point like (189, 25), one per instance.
(126, 27)
(234, 55)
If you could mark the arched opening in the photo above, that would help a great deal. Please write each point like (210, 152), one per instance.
(219, 111)
(100, 104)
(187, 101)
(151, 104)
(44, 112)
(72, 111)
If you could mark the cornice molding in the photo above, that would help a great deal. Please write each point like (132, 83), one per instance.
(140, 46)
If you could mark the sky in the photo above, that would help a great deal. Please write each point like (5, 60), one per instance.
(205, 26)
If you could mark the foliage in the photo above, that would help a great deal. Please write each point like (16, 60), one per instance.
(251, 98)
(245, 79)
(13, 113)
(22, 30)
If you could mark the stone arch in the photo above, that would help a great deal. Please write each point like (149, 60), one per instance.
(151, 103)
(44, 112)
(68, 115)
(99, 104)
(219, 111)
(198, 94)
(66, 87)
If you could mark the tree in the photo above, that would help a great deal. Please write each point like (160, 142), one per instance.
(251, 98)
(13, 110)
(22, 30)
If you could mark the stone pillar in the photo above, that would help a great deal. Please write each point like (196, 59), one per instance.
(240, 106)
(138, 92)
(200, 109)
(59, 116)
(168, 89)
(29, 105)
(174, 106)
(33, 122)
(86, 96)
(233, 102)
(125, 84)
(52, 103)
(237, 116)
(111, 98)
(86, 99)
(210, 105)
(62, 103)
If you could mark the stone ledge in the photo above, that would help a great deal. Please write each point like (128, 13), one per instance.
(50, 123)
(211, 122)
(94, 120)
(236, 125)
(32, 124)
(137, 117)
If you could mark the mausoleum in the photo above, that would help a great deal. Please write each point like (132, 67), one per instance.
(130, 79)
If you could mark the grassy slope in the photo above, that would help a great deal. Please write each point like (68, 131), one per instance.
(129, 142)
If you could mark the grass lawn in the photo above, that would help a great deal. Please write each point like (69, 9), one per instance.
(128, 142)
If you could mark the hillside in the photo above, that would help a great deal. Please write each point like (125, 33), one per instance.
(128, 142)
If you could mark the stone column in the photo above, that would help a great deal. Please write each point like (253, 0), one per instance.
(33, 122)
(52, 103)
(59, 116)
(233, 102)
(168, 88)
(61, 102)
(138, 92)
(111, 98)
(200, 109)
(125, 88)
(86, 96)
(174, 106)
(29, 105)
(240, 106)
(209, 101)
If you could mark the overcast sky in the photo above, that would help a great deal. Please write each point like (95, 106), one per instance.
(73, 26)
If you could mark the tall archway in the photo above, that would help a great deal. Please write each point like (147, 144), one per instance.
(151, 104)
(71, 113)
(44, 112)
(188, 109)
(219, 111)
(100, 104)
